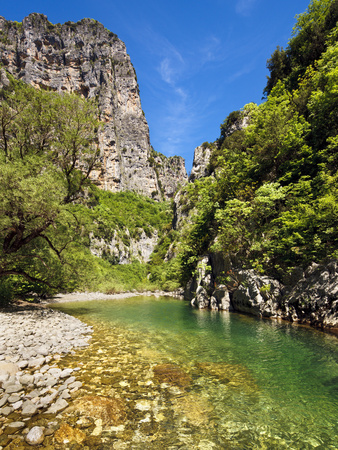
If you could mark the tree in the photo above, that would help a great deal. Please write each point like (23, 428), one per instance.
(279, 68)
(48, 149)
(310, 38)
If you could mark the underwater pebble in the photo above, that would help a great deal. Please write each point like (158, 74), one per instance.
(143, 405)
(35, 436)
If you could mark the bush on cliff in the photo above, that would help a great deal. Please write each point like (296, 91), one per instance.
(272, 199)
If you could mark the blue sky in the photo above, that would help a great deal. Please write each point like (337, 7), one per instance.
(196, 61)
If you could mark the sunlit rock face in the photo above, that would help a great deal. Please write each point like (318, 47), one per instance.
(86, 58)
(201, 162)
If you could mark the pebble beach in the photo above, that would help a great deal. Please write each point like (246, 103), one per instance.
(32, 342)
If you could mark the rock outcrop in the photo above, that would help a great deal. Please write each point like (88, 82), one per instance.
(200, 163)
(309, 297)
(124, 249)
(86, 58)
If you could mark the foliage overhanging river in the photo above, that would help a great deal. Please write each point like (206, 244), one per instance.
(209, 380)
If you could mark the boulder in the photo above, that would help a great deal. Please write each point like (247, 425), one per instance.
(7, 369)
(202, 299)
(220, 299)
(257, 295)
(58, 406)
(35, 436)
(29, 409)
(14, 426)
(314, 298)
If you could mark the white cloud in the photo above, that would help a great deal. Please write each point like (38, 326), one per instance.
(211, 50)
(244, 7)
(181, 106)
(166, 71)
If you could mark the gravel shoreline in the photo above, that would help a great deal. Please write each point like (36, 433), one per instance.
(32, 341)
(89, 296)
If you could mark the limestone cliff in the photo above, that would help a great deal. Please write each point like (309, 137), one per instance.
(307, 296)
(200, 163)
(85, 57)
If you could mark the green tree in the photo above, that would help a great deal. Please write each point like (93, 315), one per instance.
(48, 149)
(277, 139)
(279, 67)
(311, 35)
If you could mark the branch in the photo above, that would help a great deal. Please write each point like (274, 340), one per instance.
(28, 277)
(20, 242)
(58, 252)
(34, 256)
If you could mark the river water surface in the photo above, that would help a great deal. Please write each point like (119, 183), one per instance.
(193, 379)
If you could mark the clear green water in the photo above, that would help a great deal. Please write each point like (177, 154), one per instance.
(254, 383)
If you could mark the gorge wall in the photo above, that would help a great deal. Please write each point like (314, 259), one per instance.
(86, 58)
(306, 295)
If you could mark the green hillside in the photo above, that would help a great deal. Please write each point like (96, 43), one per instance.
(271, 199)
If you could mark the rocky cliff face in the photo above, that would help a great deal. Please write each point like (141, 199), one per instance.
(122, 251)
(86, 58)
(309, 296)
(200, 164)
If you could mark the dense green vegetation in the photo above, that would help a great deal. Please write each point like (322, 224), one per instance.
(44, 140)
(272, 197)
(271, 200)
(50, 212)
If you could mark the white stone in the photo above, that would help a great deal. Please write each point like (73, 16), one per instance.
(35, 436)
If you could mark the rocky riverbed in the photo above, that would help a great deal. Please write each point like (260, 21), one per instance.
(32, 385)
(36, 385)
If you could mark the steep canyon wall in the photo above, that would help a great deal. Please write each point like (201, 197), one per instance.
(86, 58)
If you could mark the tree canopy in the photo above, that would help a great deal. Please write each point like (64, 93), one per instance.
(310, 38)
(48, 149)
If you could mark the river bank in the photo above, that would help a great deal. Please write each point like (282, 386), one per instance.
(33, 386)
(89, 296)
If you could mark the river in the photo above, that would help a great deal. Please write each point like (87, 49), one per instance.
(193, 379)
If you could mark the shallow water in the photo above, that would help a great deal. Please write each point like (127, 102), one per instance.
(236, 382)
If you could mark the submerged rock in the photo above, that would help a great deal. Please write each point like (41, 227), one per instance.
(110, 410)
(195, 408)
(35, 436)
(233, 375)
(171, 374)
(66, 434)
(14, 426)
